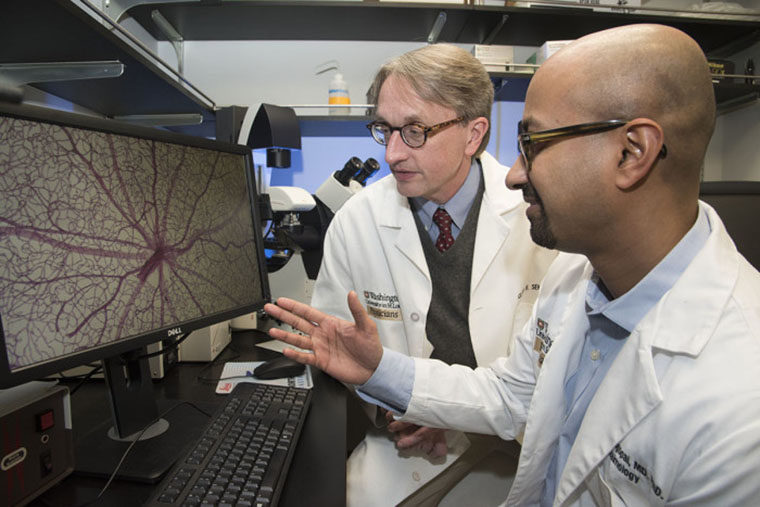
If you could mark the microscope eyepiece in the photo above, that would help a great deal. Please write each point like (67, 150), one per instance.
(370, 167)
(351, 167)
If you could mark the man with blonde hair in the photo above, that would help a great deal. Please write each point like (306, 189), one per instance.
(635, 382)
(441, 255)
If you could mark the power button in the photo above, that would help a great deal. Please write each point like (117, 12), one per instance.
(45, 420)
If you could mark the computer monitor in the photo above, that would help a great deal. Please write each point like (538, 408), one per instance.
(738, 205)
(113, 237)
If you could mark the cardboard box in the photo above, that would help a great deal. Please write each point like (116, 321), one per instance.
(492, 53)
(205, 344)
(494, 58)
(547, 49)
(625, 6)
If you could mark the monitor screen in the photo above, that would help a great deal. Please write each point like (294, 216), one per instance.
(113, 236)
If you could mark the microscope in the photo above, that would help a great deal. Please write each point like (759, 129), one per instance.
(299, 223)
(296, 220)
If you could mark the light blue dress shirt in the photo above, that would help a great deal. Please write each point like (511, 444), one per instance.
(457, 207)
(610, 322)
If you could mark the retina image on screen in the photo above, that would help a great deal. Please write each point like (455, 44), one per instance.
(113, 237)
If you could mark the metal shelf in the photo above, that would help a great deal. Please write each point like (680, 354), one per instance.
(387, 21)
(50, 31)
(46, 31)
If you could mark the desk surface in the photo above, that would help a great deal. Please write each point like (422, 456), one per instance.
(317, 474)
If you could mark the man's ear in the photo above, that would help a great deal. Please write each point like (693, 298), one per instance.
(477, 128)
(641, 145)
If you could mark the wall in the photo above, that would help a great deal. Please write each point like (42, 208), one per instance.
(247, 73)
(321, 155)
(283, 72)
(734, 153)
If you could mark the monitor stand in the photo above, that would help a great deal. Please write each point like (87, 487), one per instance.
(133, 407)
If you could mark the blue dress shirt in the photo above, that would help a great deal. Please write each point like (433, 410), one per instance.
(610, 322)
(457, 207)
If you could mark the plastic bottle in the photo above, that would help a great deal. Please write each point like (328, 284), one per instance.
(338, 94)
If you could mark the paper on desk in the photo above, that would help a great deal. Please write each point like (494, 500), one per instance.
(243, 372)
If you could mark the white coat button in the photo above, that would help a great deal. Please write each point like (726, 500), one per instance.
(416, 476)
(415, 317)
(595, 354)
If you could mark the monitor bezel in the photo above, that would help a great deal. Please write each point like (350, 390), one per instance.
(8, 377)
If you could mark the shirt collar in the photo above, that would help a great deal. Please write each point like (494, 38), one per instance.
(459, 205)
(627, 310)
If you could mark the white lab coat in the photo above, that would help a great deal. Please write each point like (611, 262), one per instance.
(373, 247)
(675, 420)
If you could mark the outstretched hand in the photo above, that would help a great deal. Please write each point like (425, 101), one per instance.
(349, 352)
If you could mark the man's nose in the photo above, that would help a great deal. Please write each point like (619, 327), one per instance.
(517, 175)
(395, 148)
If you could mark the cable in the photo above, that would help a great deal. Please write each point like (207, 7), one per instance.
(214, 363)
(212, 380)
(95, 369)
(137, 439)
(174, 345)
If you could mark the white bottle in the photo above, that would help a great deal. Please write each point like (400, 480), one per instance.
(338, 94)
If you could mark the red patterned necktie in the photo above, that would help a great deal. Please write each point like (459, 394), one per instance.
(443, 221)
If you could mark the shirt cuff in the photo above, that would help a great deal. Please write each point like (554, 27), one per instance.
(390, 386)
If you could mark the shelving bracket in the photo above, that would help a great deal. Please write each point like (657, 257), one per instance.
(491, 36)
(115, 9)
(24, 73)
(173, 36)
(437, 27)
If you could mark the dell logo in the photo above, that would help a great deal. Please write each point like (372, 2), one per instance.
(174, 332)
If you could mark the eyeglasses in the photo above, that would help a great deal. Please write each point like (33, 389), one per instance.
(414, 135)
(527, 141)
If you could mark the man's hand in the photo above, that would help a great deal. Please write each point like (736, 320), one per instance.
(349, 352)
(431, 441)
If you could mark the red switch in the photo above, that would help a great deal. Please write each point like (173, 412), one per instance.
(45, 421)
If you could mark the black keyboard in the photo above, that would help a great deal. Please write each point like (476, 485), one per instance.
(243, 456)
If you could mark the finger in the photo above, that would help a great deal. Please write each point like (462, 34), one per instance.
(360, 315)
(398, 426)
(301, 357)
(426, 446)
(439, 449)
(288, 317)
(409, 440)
(297, 340)
(302, 310)
(422, 433)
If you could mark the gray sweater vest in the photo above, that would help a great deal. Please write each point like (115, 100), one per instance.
(447, 326)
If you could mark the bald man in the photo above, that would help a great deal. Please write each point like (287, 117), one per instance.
(635, 381)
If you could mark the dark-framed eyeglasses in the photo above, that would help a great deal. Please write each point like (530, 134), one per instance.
(527, 141)
(414, 135)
